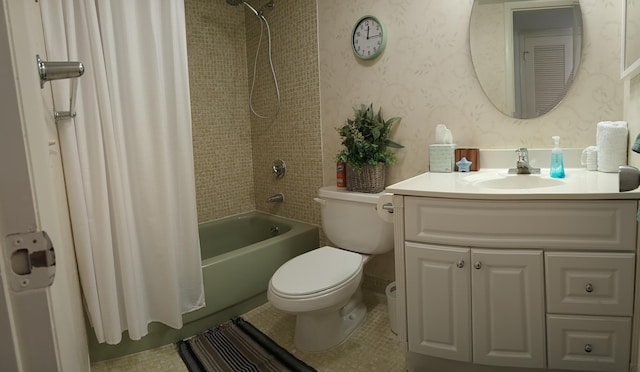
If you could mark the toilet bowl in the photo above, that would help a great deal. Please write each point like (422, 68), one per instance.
(322, 287)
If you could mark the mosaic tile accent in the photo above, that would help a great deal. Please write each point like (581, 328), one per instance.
(294, 135)
(233, 149)
(216, 47)
(375, 284)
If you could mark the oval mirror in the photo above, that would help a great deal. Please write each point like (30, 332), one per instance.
(525, 53)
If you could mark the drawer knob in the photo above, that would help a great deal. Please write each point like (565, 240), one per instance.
(477, 265)
(589, 287)
(460, 264)
(588, 348)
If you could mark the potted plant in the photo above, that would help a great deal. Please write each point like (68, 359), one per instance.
(366, 149)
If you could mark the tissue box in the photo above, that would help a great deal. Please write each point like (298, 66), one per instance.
(441, 158)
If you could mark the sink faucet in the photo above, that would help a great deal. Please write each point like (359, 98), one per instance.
(522, 165)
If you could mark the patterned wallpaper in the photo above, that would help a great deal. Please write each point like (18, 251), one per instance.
(632, 115)
(426, 76)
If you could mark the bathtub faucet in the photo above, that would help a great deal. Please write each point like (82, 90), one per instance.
(277, 198)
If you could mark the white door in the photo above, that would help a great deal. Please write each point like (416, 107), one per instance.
(44, 328)
(548, 69)
(508, 308)
(438, 301)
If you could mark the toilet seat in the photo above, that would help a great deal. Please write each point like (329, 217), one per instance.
(316, 273)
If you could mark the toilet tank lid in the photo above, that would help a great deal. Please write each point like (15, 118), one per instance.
(333, 192)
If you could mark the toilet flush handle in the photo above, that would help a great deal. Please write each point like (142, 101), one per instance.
(320, 201)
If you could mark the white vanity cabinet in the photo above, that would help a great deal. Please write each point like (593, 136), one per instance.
(505, 324)
(543, 284)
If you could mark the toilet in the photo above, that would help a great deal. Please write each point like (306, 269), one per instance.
(322, 287)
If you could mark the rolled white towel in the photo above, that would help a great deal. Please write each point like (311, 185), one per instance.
(611, 139)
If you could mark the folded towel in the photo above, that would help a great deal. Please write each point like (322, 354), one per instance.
(611, 139)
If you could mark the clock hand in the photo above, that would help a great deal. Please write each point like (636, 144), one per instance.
(371, 37)
(367, 32)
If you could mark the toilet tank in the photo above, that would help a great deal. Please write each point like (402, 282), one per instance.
(350, 221)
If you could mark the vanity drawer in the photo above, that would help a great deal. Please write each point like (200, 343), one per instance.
(588, 343)
(590, 283)
(561, 224)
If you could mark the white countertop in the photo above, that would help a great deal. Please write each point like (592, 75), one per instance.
(578, 184)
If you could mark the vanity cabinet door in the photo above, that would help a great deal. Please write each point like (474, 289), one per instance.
(590, 283)
(438, 301)
(589, 343)
(508, 307)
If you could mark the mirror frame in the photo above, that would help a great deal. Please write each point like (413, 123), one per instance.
(627, 72)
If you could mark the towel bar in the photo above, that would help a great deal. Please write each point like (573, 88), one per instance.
(49, 71)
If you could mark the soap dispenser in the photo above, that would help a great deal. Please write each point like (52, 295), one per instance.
(557, 163)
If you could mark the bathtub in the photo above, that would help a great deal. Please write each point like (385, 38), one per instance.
(239, 255)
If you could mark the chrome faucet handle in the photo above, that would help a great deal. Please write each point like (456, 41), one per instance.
(522, 165)
(523, 154)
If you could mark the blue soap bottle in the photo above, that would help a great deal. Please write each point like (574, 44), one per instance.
(557, 163)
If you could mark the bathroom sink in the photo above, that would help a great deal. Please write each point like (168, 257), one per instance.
(513, 182)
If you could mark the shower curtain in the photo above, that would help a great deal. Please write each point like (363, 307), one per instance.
(128, 160)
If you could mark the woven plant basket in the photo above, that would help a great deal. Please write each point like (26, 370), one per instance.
(369, 179)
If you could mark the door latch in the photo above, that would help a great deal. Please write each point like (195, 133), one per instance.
(32, 260)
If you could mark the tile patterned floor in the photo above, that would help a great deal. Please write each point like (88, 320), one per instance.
(372, 347)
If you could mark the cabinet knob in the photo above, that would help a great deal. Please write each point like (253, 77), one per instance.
(588, 348)
(477, 265)
(589, 287)
(460, 264)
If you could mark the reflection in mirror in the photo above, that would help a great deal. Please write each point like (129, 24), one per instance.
(525, 53)
(631, 33)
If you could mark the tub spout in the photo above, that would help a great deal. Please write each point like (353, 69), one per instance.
(277, 198)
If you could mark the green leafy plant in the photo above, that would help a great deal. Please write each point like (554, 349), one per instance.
(365, 138)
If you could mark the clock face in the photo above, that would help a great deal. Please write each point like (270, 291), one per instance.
(368, 38)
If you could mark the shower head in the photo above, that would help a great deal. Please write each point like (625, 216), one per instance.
(238, 2)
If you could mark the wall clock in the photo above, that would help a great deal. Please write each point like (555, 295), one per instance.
(368, 38)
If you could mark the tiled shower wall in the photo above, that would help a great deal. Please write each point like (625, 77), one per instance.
(233, 149)
(294, 135)
(216, 46)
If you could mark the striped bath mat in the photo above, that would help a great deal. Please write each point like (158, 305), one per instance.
(237, 346)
